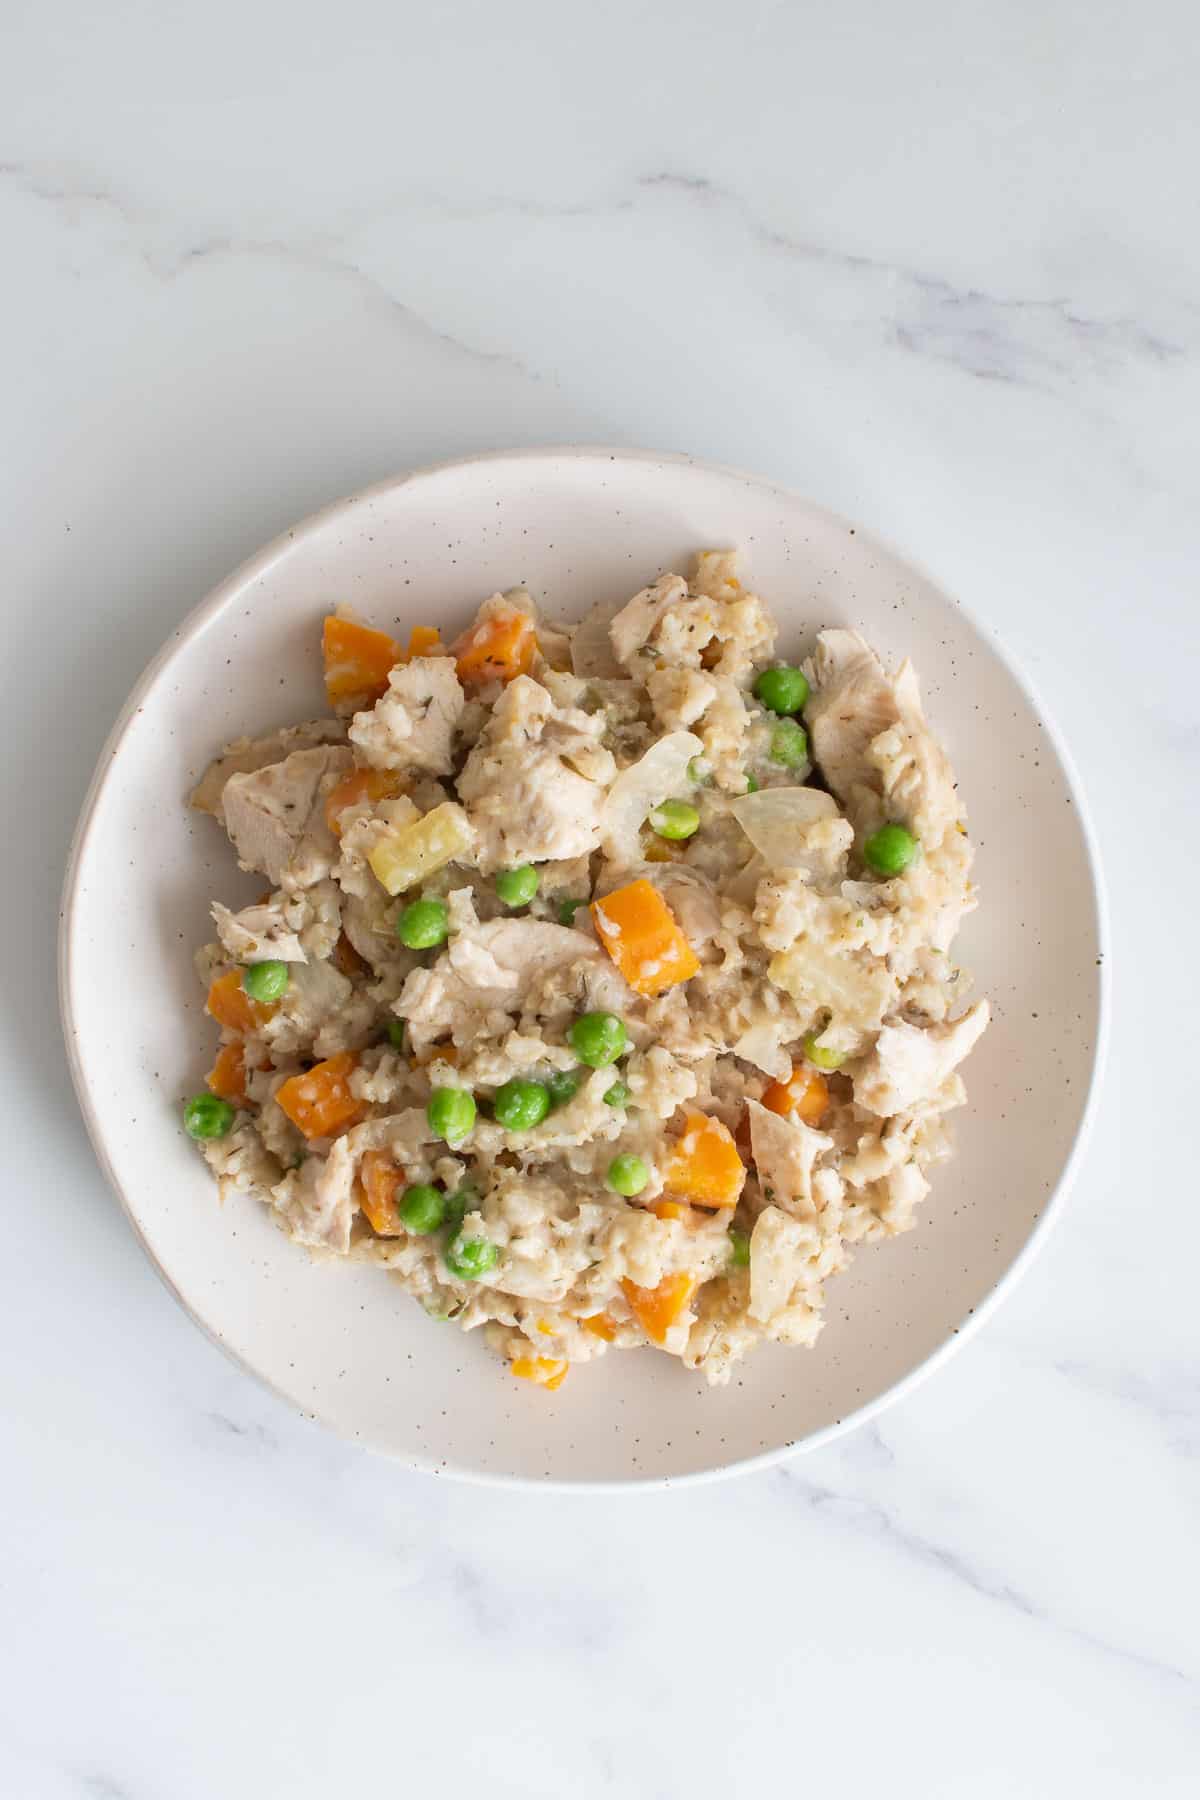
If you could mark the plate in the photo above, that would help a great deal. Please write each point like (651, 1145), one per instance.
(344, 1343)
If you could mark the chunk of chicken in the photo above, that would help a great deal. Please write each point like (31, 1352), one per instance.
(244, 755)
(316, 1201)
(910, 1064)
(680, 696)
(868, 732)
(534, 784)
(852, 702)
(782, 1252)
(286, 928)
(917, 782)
(488, 969)
(275, 816)
(687, 630)
(321, 1012)
(697, 909)
(784, 1152)
(413, 724)
(639, 618)
(241, 1162)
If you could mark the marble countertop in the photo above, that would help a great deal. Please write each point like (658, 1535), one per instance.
(938, 267)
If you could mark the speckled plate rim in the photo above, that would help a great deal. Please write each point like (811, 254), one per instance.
(255, 567)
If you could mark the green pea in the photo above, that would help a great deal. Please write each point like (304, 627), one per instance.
(627, 1175)
(423, 924)
(783, 690)
(699, 772)
(423, 1208)
(204, 1116)
(567, 910)
(451, 1113)
(463, 1200)
(516, 887)
(266, 981)
(739, 1248)
(563, 1085)
(469, 1258)
(617, 1095)
(890, 850)
(789, 744)
(821, 1055)
(520, 1105)
(598, 1038)
(752, 784)
(395, 1032)
(674, 819)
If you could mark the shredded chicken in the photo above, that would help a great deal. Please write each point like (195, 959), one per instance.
(276, 816)
(413, 725)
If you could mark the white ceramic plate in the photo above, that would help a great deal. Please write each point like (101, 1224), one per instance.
(345, 1344)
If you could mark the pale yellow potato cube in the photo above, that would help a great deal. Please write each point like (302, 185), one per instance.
(414, 852)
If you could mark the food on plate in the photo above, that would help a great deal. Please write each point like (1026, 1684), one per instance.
(603, 988)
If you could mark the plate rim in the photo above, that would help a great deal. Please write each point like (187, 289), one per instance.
(254, 567)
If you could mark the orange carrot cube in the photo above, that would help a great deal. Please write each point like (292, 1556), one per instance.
(547, 1371)
(382, 1186)
(498, 647)
(231, 1005)
(357, 661)
(656, 1309)
(319, 1101)
(805, 1093)
(705, 1164)
(354, 788)
(642, 935)
(227, 1077)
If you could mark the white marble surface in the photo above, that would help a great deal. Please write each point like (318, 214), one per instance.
(938, 266)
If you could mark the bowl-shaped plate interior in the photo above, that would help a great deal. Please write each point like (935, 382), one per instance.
(346, 1344)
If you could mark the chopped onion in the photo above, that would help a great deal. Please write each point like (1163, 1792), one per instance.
(654, 777)
(777, 822)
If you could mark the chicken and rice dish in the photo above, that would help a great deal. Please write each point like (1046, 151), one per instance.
(601, 989)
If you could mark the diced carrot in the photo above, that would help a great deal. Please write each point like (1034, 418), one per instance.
(423, 640)
(354, 788)
(642, 935)
(498, 648)
(667, 1209)
(804, 1093)
(656, 1309)
(547, 1371)
(231, 1005)
(601, 1326)
(357, 660)
(347, 961)
(381, 1185)
(320, 1101)
(227, 1078)
(705, 1164)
